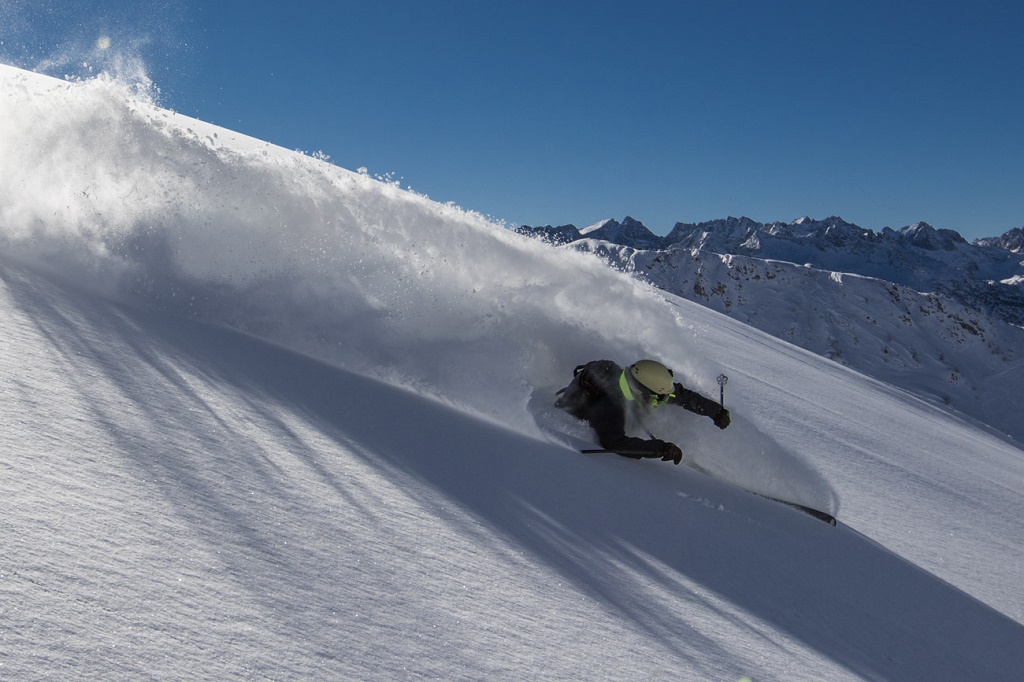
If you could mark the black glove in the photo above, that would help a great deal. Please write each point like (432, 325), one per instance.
(722, 418)
(670, 452)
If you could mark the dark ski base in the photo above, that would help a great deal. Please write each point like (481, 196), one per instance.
(810, 511)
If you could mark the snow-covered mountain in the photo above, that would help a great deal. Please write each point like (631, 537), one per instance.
(985, 275)
(1012, 241)
(264, 418)
(919, 307)
(629, 231)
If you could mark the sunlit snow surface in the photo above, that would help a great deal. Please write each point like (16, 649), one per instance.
(368, 482)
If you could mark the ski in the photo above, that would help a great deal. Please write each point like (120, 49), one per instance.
(810, 511)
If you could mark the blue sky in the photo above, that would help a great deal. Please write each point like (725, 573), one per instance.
(884, 113)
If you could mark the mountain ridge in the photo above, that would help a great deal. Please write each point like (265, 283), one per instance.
(623, 232)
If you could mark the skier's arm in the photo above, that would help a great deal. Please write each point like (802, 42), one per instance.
(694, 402)
(609, 422)
(698, 404)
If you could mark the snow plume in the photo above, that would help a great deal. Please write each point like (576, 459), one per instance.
(103, 185)
(166, 211)
(119, 39)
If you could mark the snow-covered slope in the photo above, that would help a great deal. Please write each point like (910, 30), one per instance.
(268, 419)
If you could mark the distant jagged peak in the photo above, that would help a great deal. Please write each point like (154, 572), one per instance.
(923, 235)
(723, 227)
(831, 220)
(630, 232)
(597, 226)
(721, 235)
(1012, 241)
(563, 234)
(633, 224)
(731, 223)
(628, 222)
(785, 230)
(719, 224)
(832, 224)
(838, 222)
(919, 227)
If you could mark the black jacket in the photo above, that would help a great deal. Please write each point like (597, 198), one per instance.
(595, 396)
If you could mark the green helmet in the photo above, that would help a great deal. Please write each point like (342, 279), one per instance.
(652, 375)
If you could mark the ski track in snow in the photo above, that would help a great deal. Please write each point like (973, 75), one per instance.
(268, 419)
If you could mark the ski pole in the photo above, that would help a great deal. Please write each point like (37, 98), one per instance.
(722, 381)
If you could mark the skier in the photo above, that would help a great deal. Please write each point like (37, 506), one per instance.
(606, 396)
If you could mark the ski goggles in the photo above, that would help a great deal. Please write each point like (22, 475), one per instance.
(641, 394)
